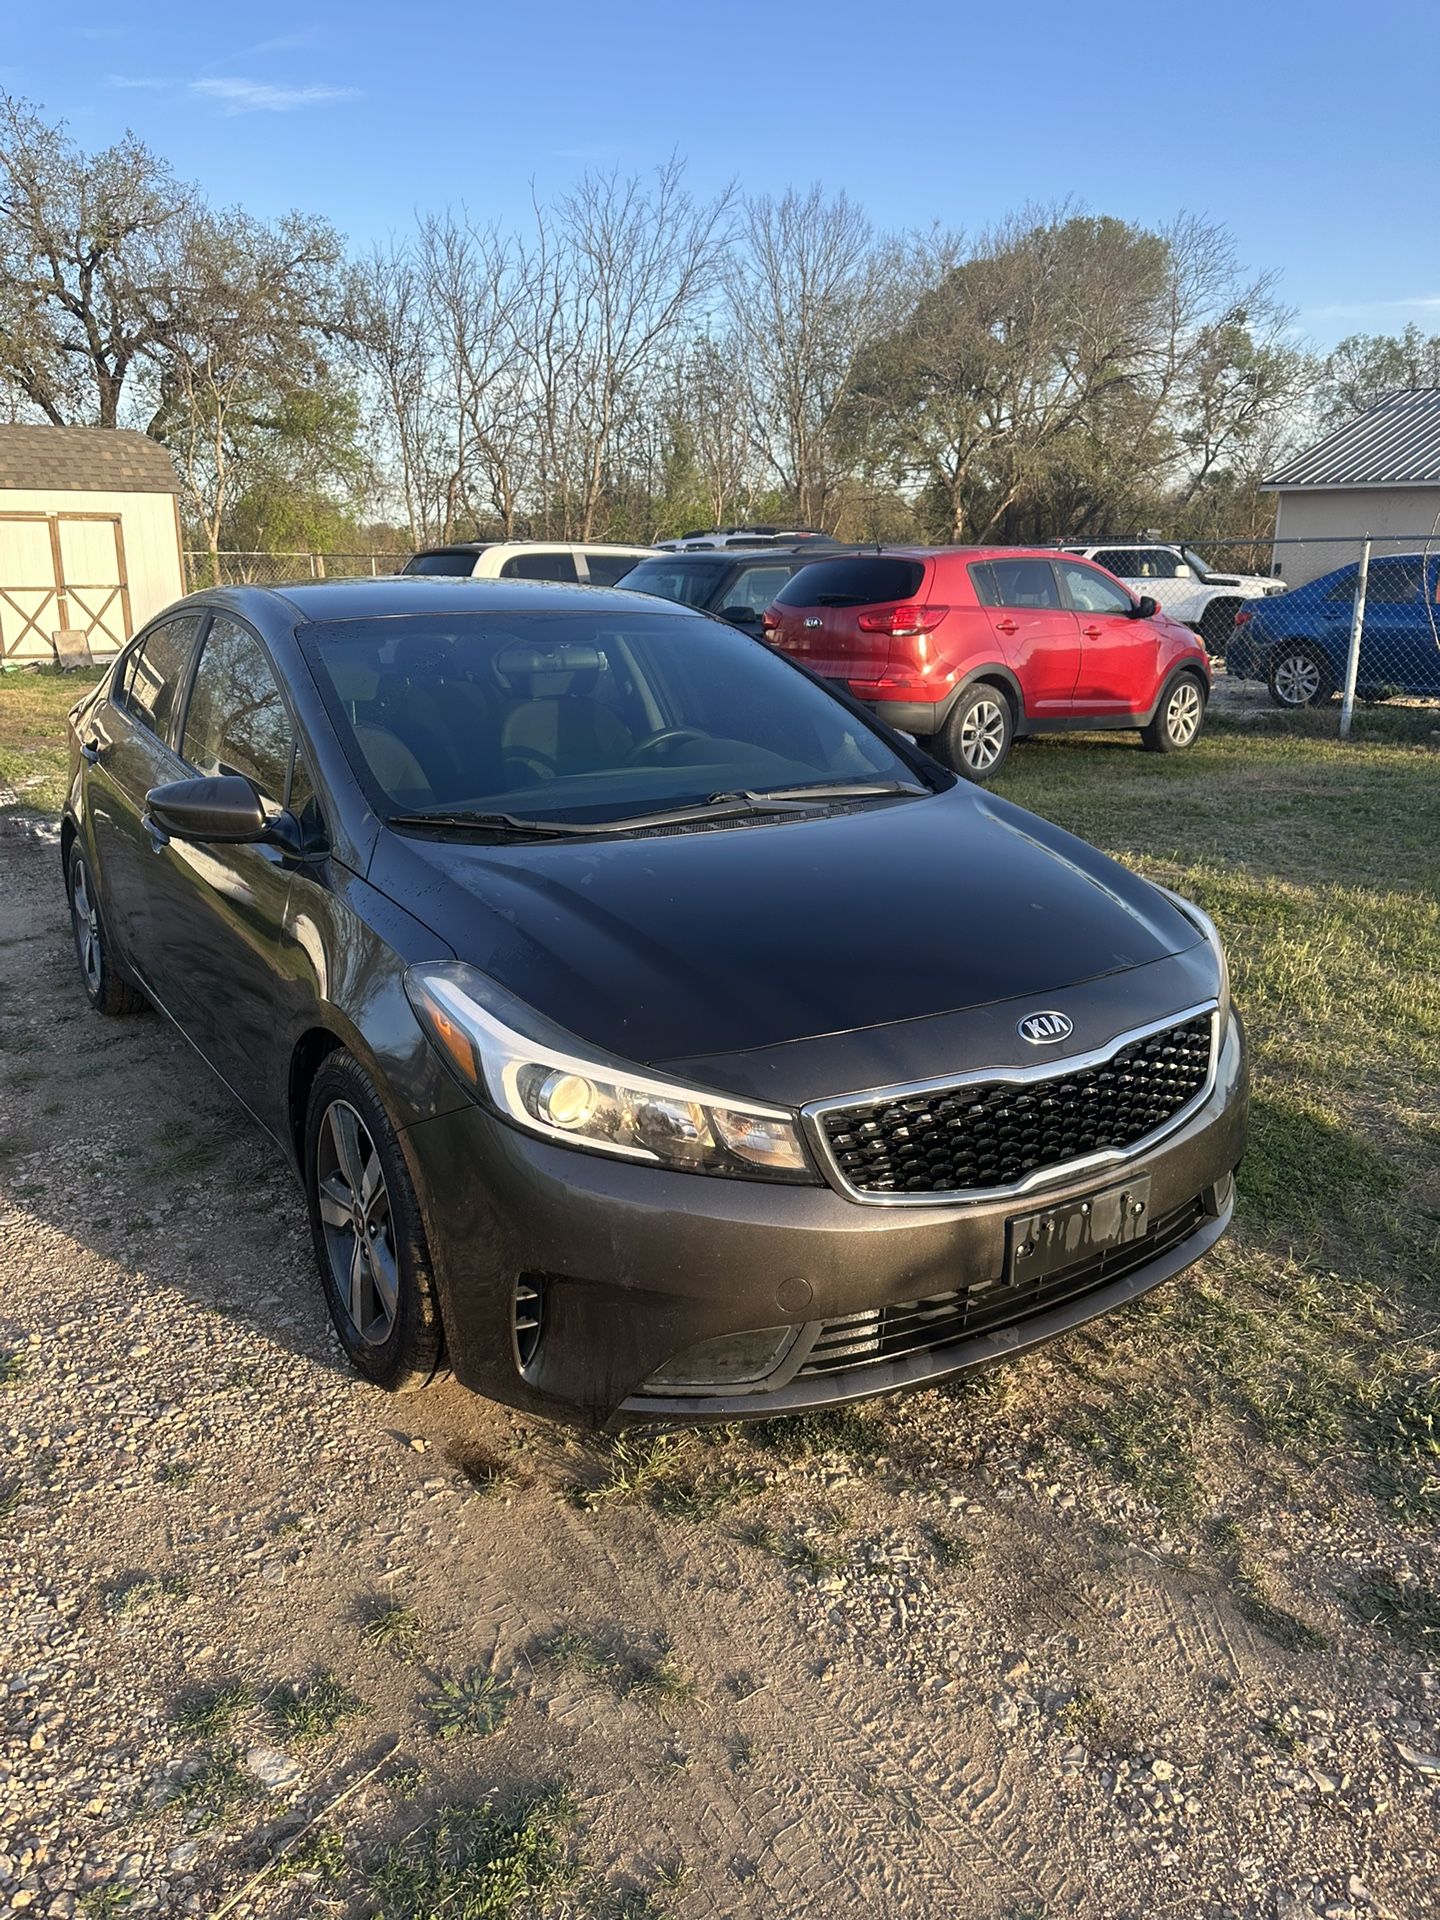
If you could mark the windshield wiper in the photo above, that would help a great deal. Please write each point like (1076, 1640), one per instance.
(829, 790)
(482, 822)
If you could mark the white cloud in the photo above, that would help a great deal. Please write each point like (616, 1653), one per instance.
(1419, 303)
(259, 96)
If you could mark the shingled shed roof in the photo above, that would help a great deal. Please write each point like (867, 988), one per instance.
(84, 460)
(1395, 443)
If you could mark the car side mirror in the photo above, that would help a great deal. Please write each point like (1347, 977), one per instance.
(222, 809)
(1146, 608)
(1184, 572)
(739, 616)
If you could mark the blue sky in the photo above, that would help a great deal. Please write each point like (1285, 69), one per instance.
(1311, 130)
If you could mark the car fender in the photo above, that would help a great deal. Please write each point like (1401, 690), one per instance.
(997, 671)
(1186, 664)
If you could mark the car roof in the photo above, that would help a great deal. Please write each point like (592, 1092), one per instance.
(550, 546)
(768, 550)
(406, 593)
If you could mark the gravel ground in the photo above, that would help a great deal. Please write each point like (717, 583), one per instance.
(903, 1663)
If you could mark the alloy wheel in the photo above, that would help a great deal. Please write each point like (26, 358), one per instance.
(86, 918)
(356, 1217)
(1185, 712)
(982, 735)
(1297, 679)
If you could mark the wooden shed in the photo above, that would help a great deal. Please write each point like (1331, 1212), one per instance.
(89, 538)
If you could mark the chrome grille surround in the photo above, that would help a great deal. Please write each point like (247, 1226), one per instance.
(815, 1115)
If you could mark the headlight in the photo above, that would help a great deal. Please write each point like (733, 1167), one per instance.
(1198, 917)
(547, 1081)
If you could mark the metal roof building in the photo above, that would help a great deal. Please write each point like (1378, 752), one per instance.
(1378, 474)
(89, 539)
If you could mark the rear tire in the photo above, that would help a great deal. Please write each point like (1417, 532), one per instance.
(978, 734)
(369, 1237)
(1300, 675)
(104, 988)
(1179, 716)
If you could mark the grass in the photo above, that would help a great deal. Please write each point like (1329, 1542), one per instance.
(12, 1492)
(318, 1856)
(208, 1794)
(12, 1370)
(33, 753)
(655, 1678)
(146, 1590)
(476, 1863)
(210, 1711)
(1407, 1611)
(475, 1703)
(1305, 1348)
(395, 1628)
(314, 1709)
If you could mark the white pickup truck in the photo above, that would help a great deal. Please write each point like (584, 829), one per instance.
(1181, 582)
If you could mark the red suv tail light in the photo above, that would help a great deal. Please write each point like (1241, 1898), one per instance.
(901, 622)
(1242, 618)
(769, 622)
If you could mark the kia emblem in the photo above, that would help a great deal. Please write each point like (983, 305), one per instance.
(813, 622)
(1045, 1029)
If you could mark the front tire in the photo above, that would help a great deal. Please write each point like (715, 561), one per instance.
(1179, 716)
(978, 734)
(1300, 675)
(369, 1237)
(104, 989)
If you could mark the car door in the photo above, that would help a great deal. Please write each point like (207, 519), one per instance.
(126, 744)
(1398, 648)
(224, 916)
(1034, 631)
(1119, 654)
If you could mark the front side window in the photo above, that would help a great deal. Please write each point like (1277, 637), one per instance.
(1024, 583)
(577, 716)
(1087, 590)
(236, 720)
(154, 672)
(540, 566)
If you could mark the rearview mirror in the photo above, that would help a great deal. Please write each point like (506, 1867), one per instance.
(221, 808)
(739, 616)
(1146, 608)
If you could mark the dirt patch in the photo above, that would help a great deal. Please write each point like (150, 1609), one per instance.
(927, 1661)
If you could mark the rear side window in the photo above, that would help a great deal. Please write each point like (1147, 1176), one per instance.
(1023, 583)
(754, 588)
(236, 720)
(860, 580)
(606, 568)
(1127, 562)
(155, 670)
(454, 564)
(540, 566)
(1344, 587)
(676, 580)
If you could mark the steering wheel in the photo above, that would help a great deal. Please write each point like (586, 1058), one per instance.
(531, 761)
(662, 738)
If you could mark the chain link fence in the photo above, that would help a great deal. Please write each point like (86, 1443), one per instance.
(230, 569)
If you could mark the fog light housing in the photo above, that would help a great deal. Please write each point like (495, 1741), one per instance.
(735, 1361)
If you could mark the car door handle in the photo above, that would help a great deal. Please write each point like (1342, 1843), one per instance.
(1092, 633)
(1006, 626)
(90, 751)
(158, 837)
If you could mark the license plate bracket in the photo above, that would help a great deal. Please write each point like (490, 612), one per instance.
(1041, 1243)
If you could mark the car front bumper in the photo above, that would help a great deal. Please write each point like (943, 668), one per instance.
(634, 1265)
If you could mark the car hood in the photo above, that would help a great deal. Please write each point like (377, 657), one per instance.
(690, 943)
(1247, 582)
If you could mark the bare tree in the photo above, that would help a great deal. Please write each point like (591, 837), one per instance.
(387, 331)
(808, 293)
(87, 247)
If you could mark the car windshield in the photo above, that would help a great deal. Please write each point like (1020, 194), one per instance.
(579, 718)
(1192, 559)
(667, 580)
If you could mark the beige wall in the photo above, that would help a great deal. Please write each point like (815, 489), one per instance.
(1337, 519)
(30, 609)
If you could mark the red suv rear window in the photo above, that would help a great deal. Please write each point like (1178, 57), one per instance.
(860, 580)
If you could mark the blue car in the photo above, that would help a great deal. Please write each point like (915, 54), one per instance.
(1298, 641)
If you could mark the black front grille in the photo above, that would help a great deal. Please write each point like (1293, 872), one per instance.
(972, 1139)
(916, 1326)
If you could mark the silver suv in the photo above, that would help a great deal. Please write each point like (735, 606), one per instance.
(1182, 583)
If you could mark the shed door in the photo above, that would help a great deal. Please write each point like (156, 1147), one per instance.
(29, 597)
(92, 578)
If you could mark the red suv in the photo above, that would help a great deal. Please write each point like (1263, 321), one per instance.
(970, 646)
